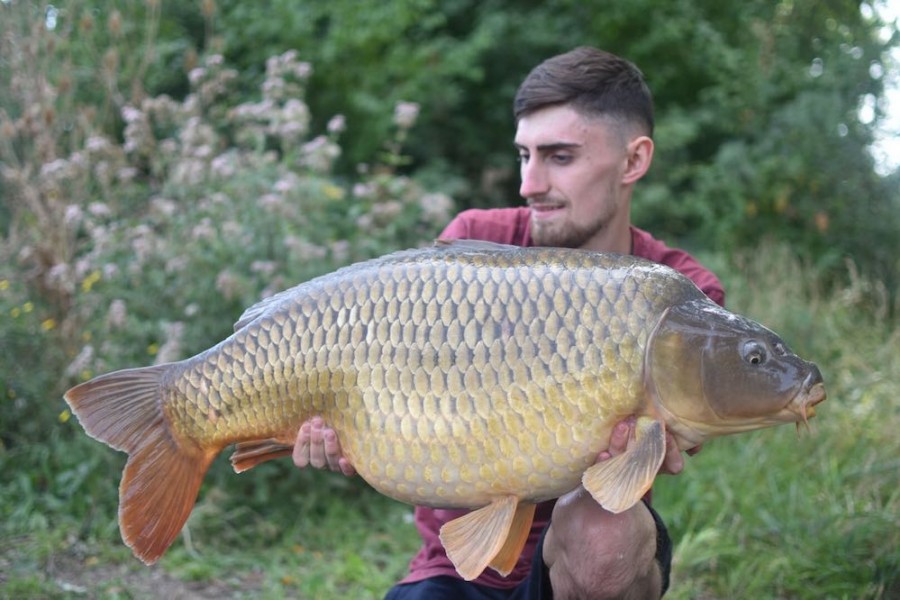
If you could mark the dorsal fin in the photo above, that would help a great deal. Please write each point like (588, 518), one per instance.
(474, 245)
(251, 314)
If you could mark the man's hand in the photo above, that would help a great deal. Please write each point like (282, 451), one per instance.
(673, 463)
(317, 446)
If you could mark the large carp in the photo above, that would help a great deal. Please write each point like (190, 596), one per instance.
(466, 375)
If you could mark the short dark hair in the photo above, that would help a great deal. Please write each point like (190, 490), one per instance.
(593, 82)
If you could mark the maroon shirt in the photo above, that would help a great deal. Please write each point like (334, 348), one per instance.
(513, 226)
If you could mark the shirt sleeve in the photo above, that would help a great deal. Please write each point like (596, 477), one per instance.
(646, 246)
(702, 277)
(457, 229)
(500, 225)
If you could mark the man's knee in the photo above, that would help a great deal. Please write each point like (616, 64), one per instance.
(592, 553)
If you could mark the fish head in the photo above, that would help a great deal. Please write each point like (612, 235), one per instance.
(712, 372)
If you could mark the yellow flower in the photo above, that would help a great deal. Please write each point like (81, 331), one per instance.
(15, 311)
(152, 349)
(48, 324)
(4, 285)
(89, 281)
(64, 416)
(28, 307)
(333, 192)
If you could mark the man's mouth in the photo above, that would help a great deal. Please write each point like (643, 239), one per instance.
(544, 210)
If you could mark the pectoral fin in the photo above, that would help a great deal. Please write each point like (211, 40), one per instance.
(509, 554)
(474, 539)
(249, 454)
(619, 482)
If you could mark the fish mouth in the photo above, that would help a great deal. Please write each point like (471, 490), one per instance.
(811, 393)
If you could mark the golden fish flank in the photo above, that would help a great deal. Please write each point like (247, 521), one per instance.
(465, 375)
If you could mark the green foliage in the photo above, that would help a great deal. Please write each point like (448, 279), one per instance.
(769, 138)
(758, 127)
(757, 102)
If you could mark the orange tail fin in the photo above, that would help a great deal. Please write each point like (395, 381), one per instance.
(162, 477)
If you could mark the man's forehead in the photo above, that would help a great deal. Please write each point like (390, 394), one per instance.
(559, 126)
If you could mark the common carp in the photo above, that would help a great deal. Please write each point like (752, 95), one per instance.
(465, 375)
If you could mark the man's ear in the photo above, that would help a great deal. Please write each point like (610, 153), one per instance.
(640, 155)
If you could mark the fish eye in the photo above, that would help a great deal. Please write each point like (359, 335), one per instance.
(754, 353)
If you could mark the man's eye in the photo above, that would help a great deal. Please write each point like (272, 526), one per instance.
(523, 158)
(562, 159)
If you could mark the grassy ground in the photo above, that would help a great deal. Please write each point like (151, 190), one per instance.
(324, 537)
(770, 514)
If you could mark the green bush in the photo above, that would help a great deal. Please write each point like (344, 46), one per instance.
(757, 104)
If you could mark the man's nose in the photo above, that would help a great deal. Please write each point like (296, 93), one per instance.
(534, 179)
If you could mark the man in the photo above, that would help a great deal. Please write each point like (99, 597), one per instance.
(584, 137)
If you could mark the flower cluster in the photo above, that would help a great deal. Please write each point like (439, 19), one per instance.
(204, 208)
(281, 115)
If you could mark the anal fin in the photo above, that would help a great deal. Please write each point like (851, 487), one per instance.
(504, 561)
(620, 482)
(474, 539)
(251, 453)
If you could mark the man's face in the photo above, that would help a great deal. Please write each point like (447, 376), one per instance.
(572, 171)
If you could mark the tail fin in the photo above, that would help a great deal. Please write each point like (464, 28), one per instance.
(162, 477)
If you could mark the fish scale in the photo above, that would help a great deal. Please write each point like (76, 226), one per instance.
(469, 375)
(409, 374)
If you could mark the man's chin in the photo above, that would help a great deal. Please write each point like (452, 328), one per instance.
(557, 235)
(554, 239)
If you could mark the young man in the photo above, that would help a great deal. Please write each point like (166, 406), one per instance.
(584, 137)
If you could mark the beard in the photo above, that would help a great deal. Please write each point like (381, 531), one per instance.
(567, 233)
(563, 235)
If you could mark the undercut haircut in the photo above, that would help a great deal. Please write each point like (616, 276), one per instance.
(593, 82)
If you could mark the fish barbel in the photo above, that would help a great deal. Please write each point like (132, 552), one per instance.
(465, 375)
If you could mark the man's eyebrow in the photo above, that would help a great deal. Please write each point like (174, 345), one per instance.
(545, 148)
